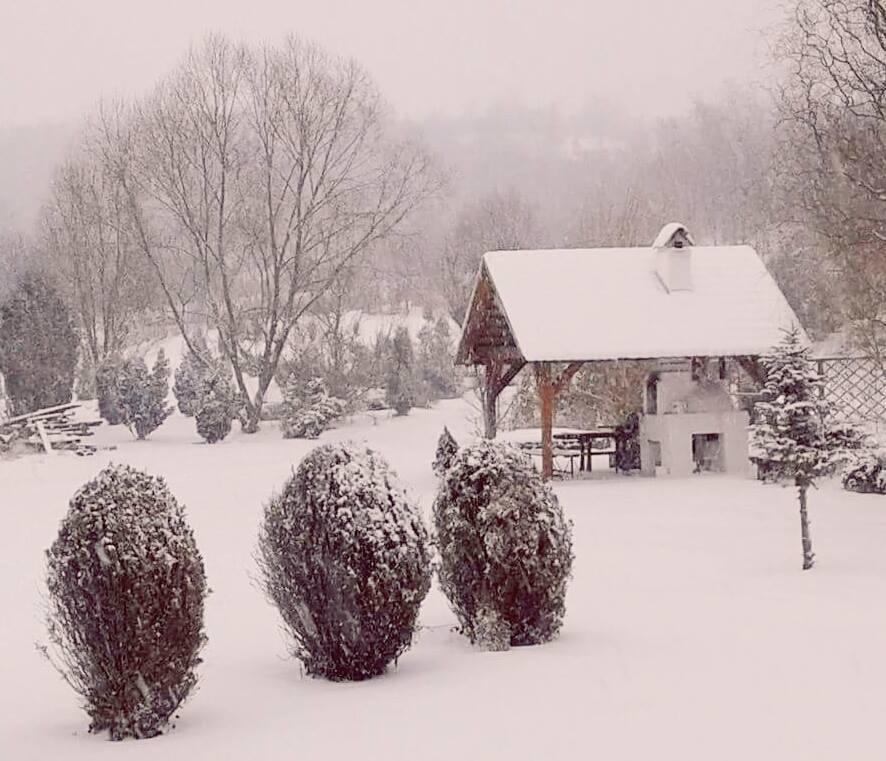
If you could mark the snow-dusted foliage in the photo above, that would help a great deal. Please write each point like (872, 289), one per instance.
(142, 394)
(126, 589)
(400, 381)
(345, 558)
(308, 410)
(38, 347)
(795, 438)
(447, 448)
(189, 375)
(505, 547)
(865, 472)
(216, 406)
(436, 359)
(107, 383)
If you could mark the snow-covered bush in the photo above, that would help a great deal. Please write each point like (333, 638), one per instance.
(400, 380)
(107, 381)
(126, 588)
(436, 359)
(189, 376)
(38, 347)
(142, 394)
(345, 558)
(505, 547)
(865, 472)
(308, 410)
(216, 406)
(447, 448)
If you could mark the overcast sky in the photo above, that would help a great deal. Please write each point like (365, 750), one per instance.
(57, 57)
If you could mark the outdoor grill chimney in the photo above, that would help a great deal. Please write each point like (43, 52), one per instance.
(673, 257)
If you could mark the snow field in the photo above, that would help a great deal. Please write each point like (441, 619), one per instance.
(690, 631)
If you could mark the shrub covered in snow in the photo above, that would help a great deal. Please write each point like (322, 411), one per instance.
(505, 547)
(308, 410)
(142, 394)
(400, 374)
(447, 448)
(107, 381)
(126, 589)
(216, 406)
(189, 376)
(38, 347)
(865, 472)
(345, 558)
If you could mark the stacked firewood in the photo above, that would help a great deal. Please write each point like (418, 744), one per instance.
(48, 430)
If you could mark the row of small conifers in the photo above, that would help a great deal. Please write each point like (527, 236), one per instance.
(342, 553)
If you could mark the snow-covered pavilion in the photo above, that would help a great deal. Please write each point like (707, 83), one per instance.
(675, 304)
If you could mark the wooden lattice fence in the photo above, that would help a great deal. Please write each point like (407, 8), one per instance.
(855, 386)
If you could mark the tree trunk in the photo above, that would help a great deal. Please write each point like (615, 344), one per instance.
(546, 398)
(808, 556)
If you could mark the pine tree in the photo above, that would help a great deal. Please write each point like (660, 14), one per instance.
(795, 438)
(308, 409)
(447, 449)
(189, 376)
(400, 391)
(38, 347)
(216, 406)
(142, 394)
(437, 359)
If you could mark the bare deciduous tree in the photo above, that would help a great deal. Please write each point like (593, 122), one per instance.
(255, 177)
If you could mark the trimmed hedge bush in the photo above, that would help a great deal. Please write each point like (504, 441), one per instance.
(505, 547)
(126, 590)
(345, 558)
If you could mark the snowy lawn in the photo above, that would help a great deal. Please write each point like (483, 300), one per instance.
(691, 632)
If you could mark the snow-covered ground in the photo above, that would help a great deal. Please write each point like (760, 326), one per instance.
(691, 632)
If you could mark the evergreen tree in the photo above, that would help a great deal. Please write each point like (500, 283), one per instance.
(437, 359)
(447, 449)
(308, 409)
(38, 347)
(189, 376)
(142, 394)
(795, 438)
(216, 405)
(107, 389)
(400, 391)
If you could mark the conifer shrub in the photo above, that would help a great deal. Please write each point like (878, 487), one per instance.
(216, 407)
(308, 409)
(38, 347)
(447, 448)
(142, 394)
(345, 558)
(505, 547)
(126, 590)
(189, 376)
(401, 393)
(107, 381)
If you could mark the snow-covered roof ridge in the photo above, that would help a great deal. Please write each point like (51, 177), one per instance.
(602, 304)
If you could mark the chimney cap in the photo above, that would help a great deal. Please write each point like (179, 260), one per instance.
(673, 235)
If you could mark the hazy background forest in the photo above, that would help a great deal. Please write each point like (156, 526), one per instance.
(783, 152)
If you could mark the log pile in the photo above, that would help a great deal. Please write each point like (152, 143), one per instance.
(48, 430)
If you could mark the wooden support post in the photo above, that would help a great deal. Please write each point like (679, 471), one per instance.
(496, 378)
(546, 397)
(548, 389)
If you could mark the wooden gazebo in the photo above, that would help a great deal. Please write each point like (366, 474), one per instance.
(558, 309)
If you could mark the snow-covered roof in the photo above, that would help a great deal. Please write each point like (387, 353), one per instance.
(603, 304)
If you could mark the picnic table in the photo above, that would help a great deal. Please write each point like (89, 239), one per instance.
(570, 444)
(587, 447)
